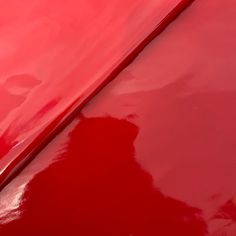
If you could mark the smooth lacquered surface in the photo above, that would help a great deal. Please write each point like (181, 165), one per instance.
(153, 153)
(54, 55)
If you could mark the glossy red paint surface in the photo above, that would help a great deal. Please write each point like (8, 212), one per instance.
(55, 54)
(153, 153)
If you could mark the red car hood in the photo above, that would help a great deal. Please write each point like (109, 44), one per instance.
(153, 154)
(55, 55)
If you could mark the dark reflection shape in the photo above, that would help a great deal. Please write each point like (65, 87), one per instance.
(227, 211)
(46, 108)
(98, 188)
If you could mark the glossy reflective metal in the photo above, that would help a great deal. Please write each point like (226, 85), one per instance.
(153, 153)
(56, 54)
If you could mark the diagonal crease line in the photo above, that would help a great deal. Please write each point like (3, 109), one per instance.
(61, 121)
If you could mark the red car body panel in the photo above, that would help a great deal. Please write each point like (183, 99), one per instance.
(55, 55)
(153, 153)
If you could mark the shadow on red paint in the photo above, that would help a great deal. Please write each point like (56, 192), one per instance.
(98, 188)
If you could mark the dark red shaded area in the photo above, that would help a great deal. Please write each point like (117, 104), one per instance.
(227, 211)
(98, 188)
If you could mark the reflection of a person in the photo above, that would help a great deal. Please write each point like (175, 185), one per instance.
(97, 188)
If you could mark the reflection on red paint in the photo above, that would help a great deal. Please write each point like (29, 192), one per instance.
(14, 91)
(171, 171)
(227, 211)
(112, 194)
(73, 48)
